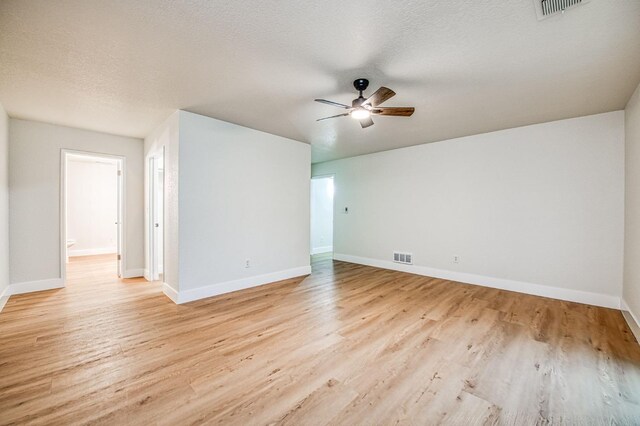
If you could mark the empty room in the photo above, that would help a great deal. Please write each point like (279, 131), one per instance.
(310, 213)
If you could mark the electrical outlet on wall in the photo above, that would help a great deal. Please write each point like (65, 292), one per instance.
(456, 258)
(247, 263)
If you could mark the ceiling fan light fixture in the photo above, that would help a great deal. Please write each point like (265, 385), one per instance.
(360, 114)
(362, 109)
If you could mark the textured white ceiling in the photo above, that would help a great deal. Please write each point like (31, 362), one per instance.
(468, 66)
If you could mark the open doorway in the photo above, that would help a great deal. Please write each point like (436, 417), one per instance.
(92, 213)
(156, 217)
(322, 217)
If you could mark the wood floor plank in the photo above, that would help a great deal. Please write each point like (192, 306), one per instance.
(349, 344)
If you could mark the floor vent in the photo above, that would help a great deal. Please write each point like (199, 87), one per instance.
(406, 258)
(546, 8)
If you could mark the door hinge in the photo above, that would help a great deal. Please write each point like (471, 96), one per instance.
(119, 172)
(119, 257)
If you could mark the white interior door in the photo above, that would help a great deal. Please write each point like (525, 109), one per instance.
(120, 219)
(157, 216)
(159, 219)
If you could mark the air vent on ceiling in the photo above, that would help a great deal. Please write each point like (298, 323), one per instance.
(406, 258)
(546, 8)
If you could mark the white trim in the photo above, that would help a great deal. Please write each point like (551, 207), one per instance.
(150, 210)
(122, 213)
(170, 292)
(579, 296)
(146, 275)
(31, 286)
(63, 216)
(631, 318)
(235, 285)
(318, 250)
(93, 252)
(133, 273)
(329, 175)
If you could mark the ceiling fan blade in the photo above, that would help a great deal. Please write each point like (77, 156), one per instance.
(366, 122)
(333, 116)
(336, 104)
(380, 95)
(396, 111)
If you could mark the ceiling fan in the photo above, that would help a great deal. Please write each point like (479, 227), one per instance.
(362, 108)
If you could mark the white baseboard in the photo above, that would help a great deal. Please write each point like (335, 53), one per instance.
(235, 285)
(133, 273)
(318, 250)
(31, 286)
(147, 275)
(632, 319)
(596, 299)
(4, 297)
(92, 252)
(170, 292)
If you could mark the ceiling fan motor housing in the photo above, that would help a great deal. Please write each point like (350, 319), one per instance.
(357, 102)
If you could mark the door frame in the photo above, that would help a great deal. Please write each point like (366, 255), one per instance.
(153, 250)
(332, 176)
(121, 162)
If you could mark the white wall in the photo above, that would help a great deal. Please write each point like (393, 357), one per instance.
(321, 215)
(4, 204)
(92, 207)
(244, 194)
(631, 292)
(537, 209)
(34, 197)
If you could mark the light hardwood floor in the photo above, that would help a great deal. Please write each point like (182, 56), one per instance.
(347, 345)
